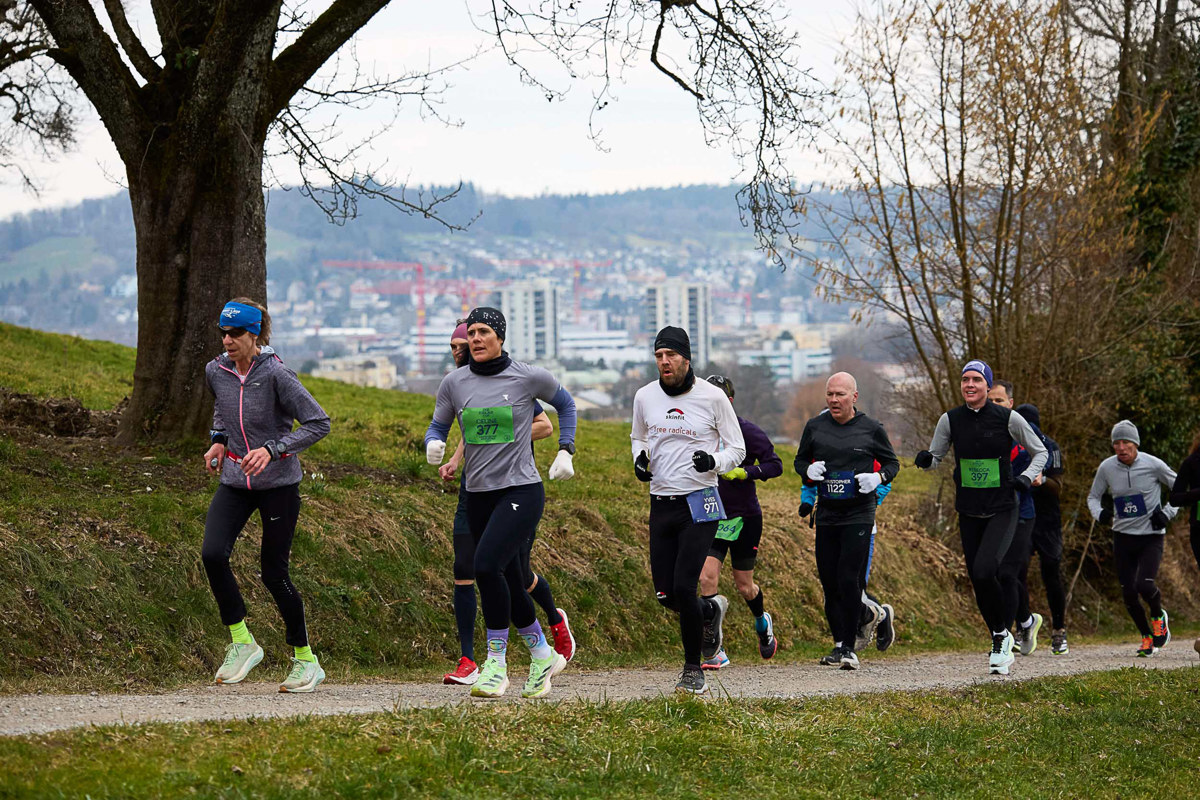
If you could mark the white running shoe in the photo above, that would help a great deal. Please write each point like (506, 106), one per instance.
(849, 660)
(239, 660)
(305, 676)
(1001, 657)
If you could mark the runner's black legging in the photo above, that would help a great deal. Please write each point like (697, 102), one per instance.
(678, 549)
(1014, 564)
(1049, 553)
(1195, 530)
(228, 513)
(842, 552)
(1138, 558)
(985, 541)
(502, 521)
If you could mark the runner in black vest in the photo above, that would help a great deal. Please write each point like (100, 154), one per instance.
(985, 491)
(1186, 494)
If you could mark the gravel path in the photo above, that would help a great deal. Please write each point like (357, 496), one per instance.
(30, 714)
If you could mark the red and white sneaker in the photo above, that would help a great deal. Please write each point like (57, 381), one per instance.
(466, 674)
(564, 642)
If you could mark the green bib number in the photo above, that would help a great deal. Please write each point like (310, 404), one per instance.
(729, 529)
(487, 425)
(980, 473)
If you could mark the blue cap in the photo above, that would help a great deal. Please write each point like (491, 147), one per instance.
(238, 315)
(975, 365)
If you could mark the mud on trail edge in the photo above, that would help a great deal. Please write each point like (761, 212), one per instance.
(32, 714)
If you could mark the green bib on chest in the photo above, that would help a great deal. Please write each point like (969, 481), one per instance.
(487, 425)
(980, 473)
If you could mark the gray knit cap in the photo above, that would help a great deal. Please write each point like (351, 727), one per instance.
(1126, 430)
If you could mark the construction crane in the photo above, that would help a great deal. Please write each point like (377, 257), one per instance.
(400, 266)
(467, 290)
(746, 316)
(575, 264)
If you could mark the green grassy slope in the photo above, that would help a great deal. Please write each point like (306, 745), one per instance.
(101, 584)
(52, 256)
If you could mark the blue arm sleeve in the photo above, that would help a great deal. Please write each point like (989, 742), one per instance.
(564, 404)
(437, 430)
(808, 495)
(882, 492)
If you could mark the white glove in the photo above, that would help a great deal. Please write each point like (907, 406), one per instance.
(816, 471)
(1170, 511)
(562, 469)
(868, 481)
(435, 451)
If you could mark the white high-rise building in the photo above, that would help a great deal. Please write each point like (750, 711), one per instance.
(531, 309)
(685, 305)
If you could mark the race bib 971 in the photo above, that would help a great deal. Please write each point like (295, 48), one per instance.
(705, 505)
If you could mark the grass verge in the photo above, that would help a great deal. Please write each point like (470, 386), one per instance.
(1112, 734)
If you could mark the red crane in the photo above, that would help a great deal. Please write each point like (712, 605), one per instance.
(746, 316)
(399, 266)
(575, 264)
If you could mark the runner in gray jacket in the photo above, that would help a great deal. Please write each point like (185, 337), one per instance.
(256, 399)
(1139, 522)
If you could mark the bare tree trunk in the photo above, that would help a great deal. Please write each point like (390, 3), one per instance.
(195, 251)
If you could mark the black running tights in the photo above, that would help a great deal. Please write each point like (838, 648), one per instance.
(842, 552)
(1138, 558)
(228, 513)
(502, 522)
(678, 549)
(985, 541)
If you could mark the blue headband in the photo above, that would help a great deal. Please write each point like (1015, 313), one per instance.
(237, 315)
(982, 368)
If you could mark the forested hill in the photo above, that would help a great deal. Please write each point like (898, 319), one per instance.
(700, 215)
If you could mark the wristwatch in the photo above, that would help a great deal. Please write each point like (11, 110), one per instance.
(570, 448)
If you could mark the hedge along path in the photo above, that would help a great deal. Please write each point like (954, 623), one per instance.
(33, 714)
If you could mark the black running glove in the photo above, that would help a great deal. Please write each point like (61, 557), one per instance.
(924, 460)
(1022, 481)
(1106, 516)
(1159, 519)
(805, 509)
(703, 462)
(641, 467)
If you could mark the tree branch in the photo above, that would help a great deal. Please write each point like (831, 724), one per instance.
(130, 43)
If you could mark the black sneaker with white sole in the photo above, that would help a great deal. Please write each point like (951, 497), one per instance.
(691, 681)
(885, 634)
(849, 660)
(833, 658)
(713, 639)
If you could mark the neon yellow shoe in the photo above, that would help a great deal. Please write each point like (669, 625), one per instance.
(541, 670)
(493, 680)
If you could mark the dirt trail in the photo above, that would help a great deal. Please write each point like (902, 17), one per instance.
(28, 714)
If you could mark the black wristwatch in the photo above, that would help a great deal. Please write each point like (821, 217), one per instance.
(570, 448)
(275, 450)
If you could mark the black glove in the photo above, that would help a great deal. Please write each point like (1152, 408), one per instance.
(805, 510)
(703, 462)
(1159, 519)
(1022, 481)
(1106, 516)
(924, 460)
(641, 467)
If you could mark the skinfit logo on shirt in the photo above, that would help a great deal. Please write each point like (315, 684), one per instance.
(674, 413)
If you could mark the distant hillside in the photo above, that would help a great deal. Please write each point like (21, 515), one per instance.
(98, 234)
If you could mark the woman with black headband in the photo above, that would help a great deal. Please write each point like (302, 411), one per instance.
(494, 401)
(254, 449)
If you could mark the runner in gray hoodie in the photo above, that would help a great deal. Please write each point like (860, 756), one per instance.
(1139, 522)
(254, 448)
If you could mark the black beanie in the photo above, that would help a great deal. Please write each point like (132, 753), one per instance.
(674, 339)
(492, 317)
(1030, 412)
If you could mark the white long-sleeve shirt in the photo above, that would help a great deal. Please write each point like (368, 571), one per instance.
(671, 429)
(1145, 478)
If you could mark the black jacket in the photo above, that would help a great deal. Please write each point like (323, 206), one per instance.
(847, 449)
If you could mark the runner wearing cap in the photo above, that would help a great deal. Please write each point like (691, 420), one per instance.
(985, 484)
(741, 532)
(684, 436)
(1139, 522)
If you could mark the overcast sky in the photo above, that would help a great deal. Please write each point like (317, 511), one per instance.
(511, 141)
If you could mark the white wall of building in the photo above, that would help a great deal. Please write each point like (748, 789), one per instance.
(685, 305)
(531, 310)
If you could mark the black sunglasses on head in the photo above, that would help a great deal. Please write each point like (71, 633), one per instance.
(234, 332)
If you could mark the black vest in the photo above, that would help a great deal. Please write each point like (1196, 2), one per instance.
(983, 476)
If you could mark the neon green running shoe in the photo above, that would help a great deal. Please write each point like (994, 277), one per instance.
(541, 670)
(239, 660)
(304, 677)
(493, 680)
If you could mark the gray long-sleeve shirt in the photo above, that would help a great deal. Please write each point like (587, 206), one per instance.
(1018, 428)
(1136, 490)
(259, 407)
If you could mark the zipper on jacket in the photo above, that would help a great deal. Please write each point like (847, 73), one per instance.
(241, 396)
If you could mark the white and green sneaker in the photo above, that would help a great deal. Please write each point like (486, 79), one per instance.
(493, 680)
(304, 677)
(541, 670)
(239, 660)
